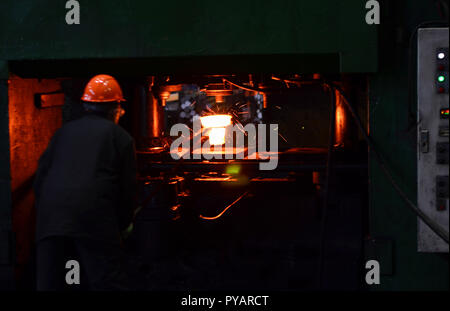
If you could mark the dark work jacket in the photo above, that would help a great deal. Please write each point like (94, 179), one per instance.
(86, 184)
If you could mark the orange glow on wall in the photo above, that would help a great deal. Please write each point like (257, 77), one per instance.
(340, 127)
(30, 130)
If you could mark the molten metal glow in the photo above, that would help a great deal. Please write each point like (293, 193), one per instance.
(340, 124)
(217, 136)
(217, 120)
(216, 125)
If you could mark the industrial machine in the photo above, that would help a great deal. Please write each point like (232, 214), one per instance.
(214, 211)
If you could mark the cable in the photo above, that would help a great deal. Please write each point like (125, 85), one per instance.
(431, 223)
(442, 7)
(226, 208)
(286, 82)
(247, 88)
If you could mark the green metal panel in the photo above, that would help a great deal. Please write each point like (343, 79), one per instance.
(4, 73)
(392, 125)
(128, 29)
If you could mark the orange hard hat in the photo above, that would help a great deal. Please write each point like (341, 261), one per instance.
(101, 89)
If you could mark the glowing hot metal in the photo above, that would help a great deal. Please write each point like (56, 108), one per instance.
(216, 125)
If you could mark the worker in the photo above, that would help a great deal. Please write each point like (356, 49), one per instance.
(85, 189)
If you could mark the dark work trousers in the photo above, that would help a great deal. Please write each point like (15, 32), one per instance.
(102, 265)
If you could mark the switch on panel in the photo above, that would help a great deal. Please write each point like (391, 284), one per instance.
(442, 192)
(424, 141)
(442, 153)
(443, 131)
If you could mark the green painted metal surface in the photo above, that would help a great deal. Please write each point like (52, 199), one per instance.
(129, 29)
(4, 72)
(392, 126)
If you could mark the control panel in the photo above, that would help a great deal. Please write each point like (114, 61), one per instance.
(433, 135)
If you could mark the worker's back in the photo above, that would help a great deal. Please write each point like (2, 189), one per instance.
(86, 181)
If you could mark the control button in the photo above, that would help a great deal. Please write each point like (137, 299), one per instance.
(442, 150)
(443, 131)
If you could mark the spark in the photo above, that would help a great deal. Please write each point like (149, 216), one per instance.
(241, 128)
(283, 137)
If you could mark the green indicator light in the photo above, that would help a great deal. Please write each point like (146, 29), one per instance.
(441, 78)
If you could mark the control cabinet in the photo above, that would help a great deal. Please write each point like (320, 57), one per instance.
(433, 135)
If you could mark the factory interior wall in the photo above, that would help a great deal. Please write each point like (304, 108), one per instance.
(393, 129)
(30, 130)
(390, 219)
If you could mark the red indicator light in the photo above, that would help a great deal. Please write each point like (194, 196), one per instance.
(441, 90)
(441, 68)
(444, 113)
